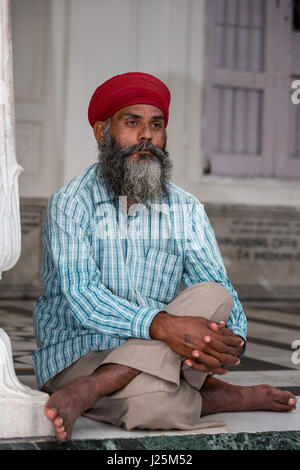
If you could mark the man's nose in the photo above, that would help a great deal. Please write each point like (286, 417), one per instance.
(145, 133)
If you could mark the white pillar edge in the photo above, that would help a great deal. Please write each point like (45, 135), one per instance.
(21, 408)
(10, 231)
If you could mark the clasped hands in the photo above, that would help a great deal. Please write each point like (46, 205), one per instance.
(219, 352)
(207, 346)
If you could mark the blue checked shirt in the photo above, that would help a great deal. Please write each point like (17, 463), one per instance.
(107, 274)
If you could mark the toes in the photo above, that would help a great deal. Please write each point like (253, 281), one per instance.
(66, 436)
(281, 396)
(286, 401)
(51, 413)
(287, 398)
(61, 431)
(292, 401)
(58, 422)
(276, 399)
(61, 434)
(282, 407)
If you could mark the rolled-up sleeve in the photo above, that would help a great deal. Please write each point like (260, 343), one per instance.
(204, 262)
(65, 234)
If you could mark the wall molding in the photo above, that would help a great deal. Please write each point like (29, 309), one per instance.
(29, 55)
(28, 143)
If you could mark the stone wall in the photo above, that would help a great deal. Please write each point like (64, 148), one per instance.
(260, 248)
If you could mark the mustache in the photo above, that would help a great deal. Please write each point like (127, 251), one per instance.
(148, 146)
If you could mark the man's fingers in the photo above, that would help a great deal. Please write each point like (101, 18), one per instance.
(223, 358)
(224, 334)
(221, 330)
(214, 327)
(203, 368)
(220, 346)
(196, 365)
(229, 340)
(224, 330)
(209, 360)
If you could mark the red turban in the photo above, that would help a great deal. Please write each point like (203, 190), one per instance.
(125, 90)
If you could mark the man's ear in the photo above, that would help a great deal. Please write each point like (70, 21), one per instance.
(98, 128)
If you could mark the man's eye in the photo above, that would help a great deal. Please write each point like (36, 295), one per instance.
(131, 122)
(157, 125)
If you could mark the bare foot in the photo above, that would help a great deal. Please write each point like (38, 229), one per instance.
(68, 403)
(218, 397)
(65, 405)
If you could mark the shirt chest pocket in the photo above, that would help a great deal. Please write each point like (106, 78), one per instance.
(157, 275)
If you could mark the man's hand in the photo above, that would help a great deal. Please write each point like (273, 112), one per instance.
(218, 327)
(206, 345)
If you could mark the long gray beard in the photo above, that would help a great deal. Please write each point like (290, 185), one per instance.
(142, 181)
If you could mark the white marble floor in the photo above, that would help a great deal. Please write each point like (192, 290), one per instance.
(269, 358)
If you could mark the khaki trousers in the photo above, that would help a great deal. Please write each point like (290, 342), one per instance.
(166, 394)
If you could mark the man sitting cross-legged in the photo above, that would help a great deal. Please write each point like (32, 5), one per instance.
(116, 342)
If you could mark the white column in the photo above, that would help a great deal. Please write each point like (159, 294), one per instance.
(21, 409)
(10, 233)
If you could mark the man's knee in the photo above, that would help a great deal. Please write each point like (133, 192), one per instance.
(219, 292)
(207, 299)
(223, 299)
